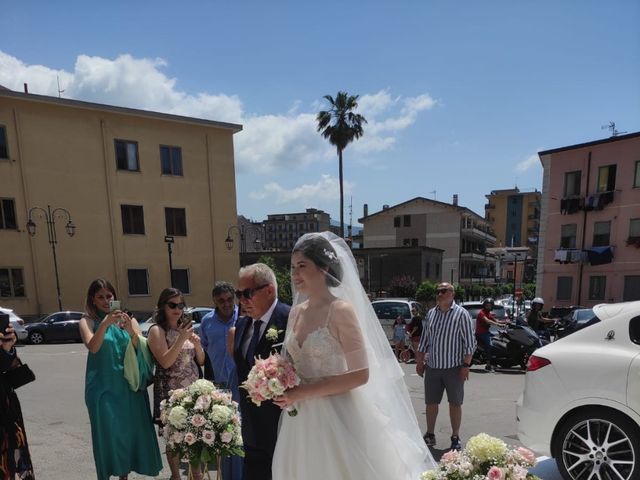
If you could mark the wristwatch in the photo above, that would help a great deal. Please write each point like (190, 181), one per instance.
(466, 365)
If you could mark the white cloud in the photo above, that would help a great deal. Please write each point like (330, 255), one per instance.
(327, 188)
(269, 143)
(529, 162)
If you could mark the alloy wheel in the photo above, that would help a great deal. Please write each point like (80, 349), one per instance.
(598, 449)
(36, 338)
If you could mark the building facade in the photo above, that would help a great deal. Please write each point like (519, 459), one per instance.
(461, 234)
(134, 183)
(589, 249)
(282, 230)
(514, 217)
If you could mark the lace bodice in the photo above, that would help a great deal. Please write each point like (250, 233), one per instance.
(319, 356)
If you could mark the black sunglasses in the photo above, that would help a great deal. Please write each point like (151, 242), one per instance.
(173, 306)
(248, 292)
(442, 291)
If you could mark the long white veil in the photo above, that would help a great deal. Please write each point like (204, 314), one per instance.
(385, 389)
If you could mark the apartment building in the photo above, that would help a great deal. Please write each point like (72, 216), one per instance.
(460, 233)
(589, 249)
(282, 230)
(142, 190)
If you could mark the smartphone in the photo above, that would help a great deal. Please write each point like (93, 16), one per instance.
(185, 319)
(4, 322)
(114, 305)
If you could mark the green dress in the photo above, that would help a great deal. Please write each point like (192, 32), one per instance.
(123, 435)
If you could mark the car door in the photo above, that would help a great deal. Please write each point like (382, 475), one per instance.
(55, 329)
(633, 380)
(72, 328)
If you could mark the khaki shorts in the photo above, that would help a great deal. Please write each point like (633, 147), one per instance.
(437, 380)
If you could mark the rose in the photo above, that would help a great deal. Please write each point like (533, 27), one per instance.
(495, 473)
(190, 438)
(527, 454)
(226, 437)
(208, 437)
(198, 420)
(450, 457)
(178, 416)
(176, 395)
(518, 473)
(202, 403)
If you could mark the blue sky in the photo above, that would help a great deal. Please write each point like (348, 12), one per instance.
(460, 96)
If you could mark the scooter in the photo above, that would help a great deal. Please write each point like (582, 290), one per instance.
(510, 345)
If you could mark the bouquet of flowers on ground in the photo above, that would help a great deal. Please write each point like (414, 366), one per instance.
(485, 458)
(270, 378)
(201, 423)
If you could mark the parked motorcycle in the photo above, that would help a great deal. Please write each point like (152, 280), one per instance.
(510, 345)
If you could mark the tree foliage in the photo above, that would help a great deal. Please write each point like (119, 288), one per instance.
(283, 277)
(403, 286)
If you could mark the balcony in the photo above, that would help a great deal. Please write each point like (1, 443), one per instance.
(479, 234)
(476, 256)
(571, 205)
(598, 201)
(569, 255)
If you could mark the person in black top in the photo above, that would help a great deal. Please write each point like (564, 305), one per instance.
(415, 328)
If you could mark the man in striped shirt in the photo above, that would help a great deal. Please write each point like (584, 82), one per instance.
(444, 354)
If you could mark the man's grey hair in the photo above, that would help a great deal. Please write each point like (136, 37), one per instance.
(221, 287)
(261, 274)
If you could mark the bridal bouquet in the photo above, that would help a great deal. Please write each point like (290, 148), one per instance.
(485, 458)
(201, 423)
(270, 378)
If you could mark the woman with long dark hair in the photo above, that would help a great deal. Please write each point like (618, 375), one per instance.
(122, 430)
(177, 352)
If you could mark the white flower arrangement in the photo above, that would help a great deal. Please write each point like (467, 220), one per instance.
(201, 423)
(485, 458)
(272, 334)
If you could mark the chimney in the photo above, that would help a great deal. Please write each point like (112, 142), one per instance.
(366, 210)
(455, 199)
(385, 207)
(26, 88)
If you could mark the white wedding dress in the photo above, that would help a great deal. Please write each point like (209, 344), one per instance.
(345, 436)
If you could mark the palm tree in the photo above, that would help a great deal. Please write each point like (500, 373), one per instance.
(340, 125)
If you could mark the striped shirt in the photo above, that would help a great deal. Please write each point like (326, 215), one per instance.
(447, 337)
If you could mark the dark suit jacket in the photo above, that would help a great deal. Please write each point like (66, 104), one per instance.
(259, 424)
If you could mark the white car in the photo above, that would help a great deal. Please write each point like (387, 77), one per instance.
(581, 400)
(17, 323)
(197, 314)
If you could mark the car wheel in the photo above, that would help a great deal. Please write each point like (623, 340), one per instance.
(598, 443)
(36, 338)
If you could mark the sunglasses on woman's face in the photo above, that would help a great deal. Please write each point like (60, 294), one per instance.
(173, 305)
(248, 292)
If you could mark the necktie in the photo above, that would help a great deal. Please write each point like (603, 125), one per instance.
(251, 351)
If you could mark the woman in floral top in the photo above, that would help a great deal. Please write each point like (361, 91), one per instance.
(177, 352)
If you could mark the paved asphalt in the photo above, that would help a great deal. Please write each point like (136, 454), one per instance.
(60, 439)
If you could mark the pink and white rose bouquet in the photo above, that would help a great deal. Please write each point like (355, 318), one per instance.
(485, 458)
(201, 423)
(270, 378)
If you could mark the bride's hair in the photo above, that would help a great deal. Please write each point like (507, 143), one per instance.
(319, 250)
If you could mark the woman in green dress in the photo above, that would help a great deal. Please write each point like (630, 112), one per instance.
(122, 430)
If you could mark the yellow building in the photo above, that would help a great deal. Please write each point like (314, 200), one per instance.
(514, 216)
(127, 178)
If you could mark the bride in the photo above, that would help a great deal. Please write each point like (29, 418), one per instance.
(355, 419)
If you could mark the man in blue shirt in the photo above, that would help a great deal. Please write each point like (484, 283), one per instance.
(215, 338)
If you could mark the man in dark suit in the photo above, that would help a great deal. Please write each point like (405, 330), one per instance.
(258, 295)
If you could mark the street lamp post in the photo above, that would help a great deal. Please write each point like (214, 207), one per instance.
(168, 239)
(242, 231)
(382, 255)
(50, 217)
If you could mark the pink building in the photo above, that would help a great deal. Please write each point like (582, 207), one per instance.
(589, 250)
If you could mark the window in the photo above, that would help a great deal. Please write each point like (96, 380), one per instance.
(181, 280)
(8, 214)
(601, 231)
(406, 220)
(631, 288)
(4, 148)
(563, 288)
(127, 155)
(138, 281)
(634, 227)
(176, 220)
(171, 160)
(568, 235)
(597, 285)
(636, 177)
(11, 282)
(427, 269)
(572, 183)
(396, 222)
(414, 242)
(132, 219)
(606, 178)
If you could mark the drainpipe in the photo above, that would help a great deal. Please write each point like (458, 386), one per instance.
(584, 229)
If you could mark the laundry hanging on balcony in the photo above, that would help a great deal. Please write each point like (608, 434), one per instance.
(570, 205)
(598, 201)
(600, 255)
(569, 255)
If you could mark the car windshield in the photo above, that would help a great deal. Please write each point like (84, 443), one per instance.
(585, 314)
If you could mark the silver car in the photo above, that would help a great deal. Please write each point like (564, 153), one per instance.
(17, 323)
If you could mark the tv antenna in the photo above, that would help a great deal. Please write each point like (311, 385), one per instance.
(612, 126)
(60, 92)
(434, 194)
